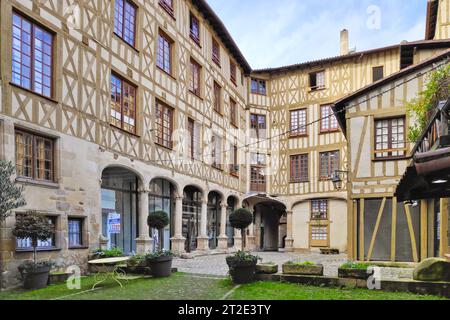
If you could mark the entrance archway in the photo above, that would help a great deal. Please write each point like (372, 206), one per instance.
(213, 220)
(192, 203)
(119, 199)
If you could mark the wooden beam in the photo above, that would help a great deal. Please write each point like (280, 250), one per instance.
(361, 230)
(423, 230)
(350, 233)
(411, 234)
(444, 227)
(394, 229)
(375, 230)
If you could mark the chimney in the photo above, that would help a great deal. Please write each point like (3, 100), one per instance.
(344, 42)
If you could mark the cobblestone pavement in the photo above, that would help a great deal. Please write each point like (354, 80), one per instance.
(215, 265)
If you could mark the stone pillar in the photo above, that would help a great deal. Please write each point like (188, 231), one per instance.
(202, 239)
(178, 240)
(250, 233)
(144, 244)
(223, 239)
(289, 243)
(237, 239)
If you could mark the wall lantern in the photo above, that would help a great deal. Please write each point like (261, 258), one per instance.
(337, 179)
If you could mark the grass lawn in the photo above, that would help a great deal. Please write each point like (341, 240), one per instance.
(188, 287)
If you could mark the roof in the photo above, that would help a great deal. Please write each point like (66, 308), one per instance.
(432, 11)
(423, 44)
(342, 103)
(223, 33)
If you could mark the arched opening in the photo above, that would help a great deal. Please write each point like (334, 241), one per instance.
(192, 203)
(213, 218)
(232, 204)
(120, 207)
(162, 198)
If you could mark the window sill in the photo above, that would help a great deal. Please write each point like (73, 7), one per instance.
(164, 147)
(79, 248)
(218, 112)
(125, 131)
(166, 73)
(311, 90)
(39, 183)
(259, 94)
(235, 125)
(34, 93)
(329, 131)
(195, 94)
(169, 10)
(300, 181)
(233, 81)
(294, 136)
(235, 175)
(217, 63)
(128, 44)
(28, 250)
(196, 41)
(391, 159)
(217, 168)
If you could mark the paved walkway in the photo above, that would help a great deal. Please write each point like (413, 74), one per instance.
(215, 265)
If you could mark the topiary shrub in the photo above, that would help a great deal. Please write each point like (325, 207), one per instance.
(158, 220)
(240, 219)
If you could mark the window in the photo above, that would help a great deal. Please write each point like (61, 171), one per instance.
(377, 73)
(233, 75)
(195, 29)
(167, 5)
(75, 232)
(123, 104)
(216, 52)
(125, 21)
(164, 54)
(195, 78)
(258, 126)
(258, 86)
(319, 210)
(329, 163)
(193, 141)
(299, 168)
(234, 167)
(319, 236)
(298, 123)
(217, 98)
(32, 54)
(164, 125)
(26, 244)
(390, 138)
(317, 80)
(328, 121)
(216, 154)
(34, 156)
(233, 113)
(258, 172)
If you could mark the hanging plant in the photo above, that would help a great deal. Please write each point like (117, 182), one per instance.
(419, 109)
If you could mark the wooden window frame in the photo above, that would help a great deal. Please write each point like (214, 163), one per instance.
(390, 150)
(257, 127)
(258, 185)
(316, 87)
(233, 113)
(301, 178)
(318, 215)
(295, 134)
(233, 72)
(82, 221)
(170, 9)
(195, 37)
(217, 96)
(259, 86)
(373, 73)
(159, 127)
(233, 166)
(171, 43)
(329, 164)
(216, 55)
(216, 154)
(191, 138)
(330, 129)
(192, 79)
(32, 88)
(35, 137)
(132, 4)
(319, 243)
(124, 82)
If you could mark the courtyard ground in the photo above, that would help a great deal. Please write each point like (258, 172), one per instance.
(183, 286)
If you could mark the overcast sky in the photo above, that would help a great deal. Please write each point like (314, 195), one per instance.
(273, 33)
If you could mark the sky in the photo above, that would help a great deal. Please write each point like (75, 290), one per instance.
(273, 33)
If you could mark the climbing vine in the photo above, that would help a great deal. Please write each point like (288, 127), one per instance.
(437, 88)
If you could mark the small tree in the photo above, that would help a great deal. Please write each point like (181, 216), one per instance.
(240, 219)
(33, 226)
(158, 220)
(10, 193)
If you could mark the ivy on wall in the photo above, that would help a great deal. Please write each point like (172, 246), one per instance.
(420, 108)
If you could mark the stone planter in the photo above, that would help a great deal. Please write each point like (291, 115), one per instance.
(161, 267)
(60, 277)
(308, 270)
(353, 273)
(35, 278)
(265, 268)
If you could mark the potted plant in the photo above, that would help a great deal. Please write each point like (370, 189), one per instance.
(242, 265)
(158, 220)
(303, 268)
(137, 264)
(354, 270)
(160, 263)
(34, 227)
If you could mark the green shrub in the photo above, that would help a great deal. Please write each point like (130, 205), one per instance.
(158, 220)
(301, 264)
(241, 259)
(158, 254)
(355, 265)
(109, 253)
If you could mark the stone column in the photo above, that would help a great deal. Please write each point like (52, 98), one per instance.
(237, 239)
(250, 241)
(223, 239)
(202, 239)
(178, 240)
(144, 244)
(289, 243)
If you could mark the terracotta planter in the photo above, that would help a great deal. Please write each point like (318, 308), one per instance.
(353, 273)
(312, 270)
